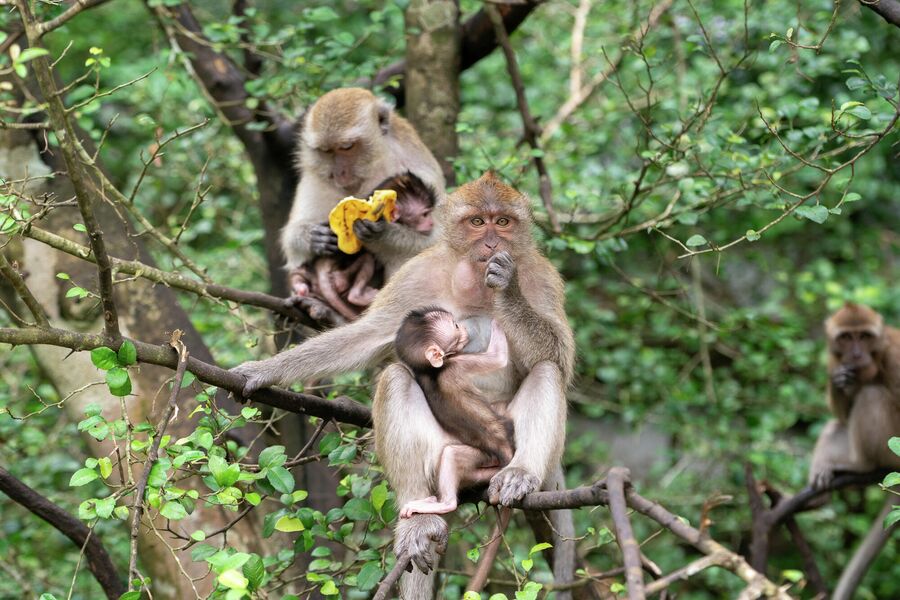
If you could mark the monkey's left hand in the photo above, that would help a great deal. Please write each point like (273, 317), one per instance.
(512, 484)
(255, 376)
(367, 230)
(501, 269)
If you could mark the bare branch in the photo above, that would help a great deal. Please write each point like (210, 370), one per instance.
(99, 561)
(77, 7)
(531, 129)
(388, 583)
(19, 285)
(616, 480)
(889, 10)
(68, 141)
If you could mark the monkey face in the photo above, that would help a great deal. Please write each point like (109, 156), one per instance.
(347, 159)
(488, 233)
(415, 213)
(857, 350)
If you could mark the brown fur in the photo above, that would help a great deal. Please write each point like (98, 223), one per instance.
(863, 394)
(530, 390)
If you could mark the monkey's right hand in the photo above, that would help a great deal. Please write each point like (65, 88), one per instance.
(413, 538)
(843, 377)
(256, 377)
(323, 241)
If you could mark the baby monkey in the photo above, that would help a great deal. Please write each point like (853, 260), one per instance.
(429, 342)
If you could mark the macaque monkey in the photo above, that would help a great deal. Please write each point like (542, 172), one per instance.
(347, 282)
(430, 342)
(350, 142)
(863, 394)
(485, 265)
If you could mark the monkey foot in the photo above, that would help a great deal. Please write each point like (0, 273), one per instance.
(427, 506)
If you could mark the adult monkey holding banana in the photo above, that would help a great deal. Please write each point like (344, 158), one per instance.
(486, 265)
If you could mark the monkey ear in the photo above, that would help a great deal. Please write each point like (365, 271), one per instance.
(435, 356)
(384, 116)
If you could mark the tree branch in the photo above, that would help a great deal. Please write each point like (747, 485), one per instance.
(99, 561)
(65, 133)
(341, 409)
(889, 10)
(77, 7)
(21, 288)
(616, 480)
(531, 130)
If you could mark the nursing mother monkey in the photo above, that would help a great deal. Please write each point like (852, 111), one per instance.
(486, 264)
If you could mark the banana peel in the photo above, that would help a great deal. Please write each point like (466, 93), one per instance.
(382, 203)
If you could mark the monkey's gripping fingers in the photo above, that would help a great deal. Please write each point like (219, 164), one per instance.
(323, 241)
(255, 377)
(843, 377)
(368, 231)
(501, 269)
(414, 537)
(512, 484)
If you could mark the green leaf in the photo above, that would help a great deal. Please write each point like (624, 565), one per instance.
(816, 213)
(105, 467)
(852, 197)
(82, 477)
(127, 354)
(358, 509)
(233, 579)
(173, 511)
(752, 235)
(329, 589)
(855, 83)
(379, 496)
(527, 564)
(892, 517)
(470, 595)
(289, 524)
(299, 495)
(118, 381)
(79, 227)
(130, 596)
(104, 358)
(253, 498)
(321, 14)
(891, 479)
(273, 456)
(30, 54)
(255, 571)
(281, 479)
(105, 507)
(248, 412)
(198, 536)
(369, 576)
(473, 554)
(696, 240)
(539, 548)
(792, 575)
(894, 445)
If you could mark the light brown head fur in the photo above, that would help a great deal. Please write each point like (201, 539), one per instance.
(504, 213)
(854, 317)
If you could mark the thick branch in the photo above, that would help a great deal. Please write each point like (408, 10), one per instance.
(99, 561)
(478, 41)
(65, 134)
(889, 10)
(341, 409)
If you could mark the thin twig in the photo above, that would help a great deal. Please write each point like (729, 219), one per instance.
(65, 17)
(388, 583)
(171, 407)
(531, 129)
(21, 288)
(616, 480)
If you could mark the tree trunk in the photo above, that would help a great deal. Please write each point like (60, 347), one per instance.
(432, 76)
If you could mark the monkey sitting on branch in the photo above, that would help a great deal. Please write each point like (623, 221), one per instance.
(430, 342)
(347, 283)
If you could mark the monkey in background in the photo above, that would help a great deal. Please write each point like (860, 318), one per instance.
(486, 265)
(430, 342)
(347, 283)
(863, 394)
(350, 142)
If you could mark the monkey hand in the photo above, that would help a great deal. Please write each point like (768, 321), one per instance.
(368, 231)
(511, 485)
(323, 241)
(255, 377)
(413, 538)
(501, 269)
(843, 377)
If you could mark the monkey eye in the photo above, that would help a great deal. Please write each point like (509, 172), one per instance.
(502, 221)
(866, 335)
(476, 221)
(347, 146)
